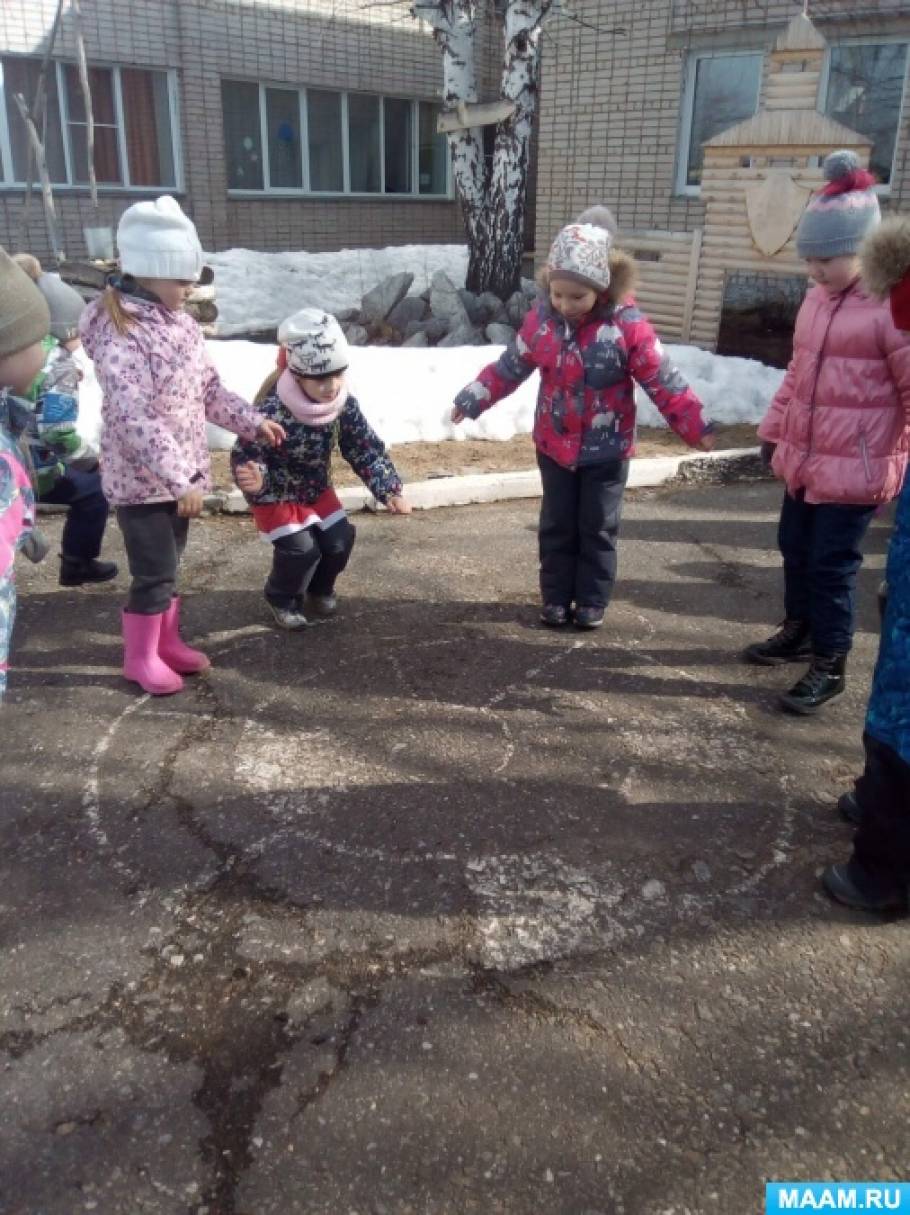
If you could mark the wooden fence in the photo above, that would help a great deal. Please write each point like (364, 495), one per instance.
(668, 275)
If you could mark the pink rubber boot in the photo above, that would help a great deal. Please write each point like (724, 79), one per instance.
(173, 650)
(141, 663)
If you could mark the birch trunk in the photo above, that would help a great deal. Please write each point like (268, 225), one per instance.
(492, 197)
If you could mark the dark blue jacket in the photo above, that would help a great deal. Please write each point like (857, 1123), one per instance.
(888, 717)
(301, 468)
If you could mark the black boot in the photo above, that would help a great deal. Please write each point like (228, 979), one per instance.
(855, 885)
(790, 643)
(554, 615)
(823, 681)
(849, 808)
(74, 571)
(589, 617)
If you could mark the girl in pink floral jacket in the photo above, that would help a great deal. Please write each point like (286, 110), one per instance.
(159, 388)
(590, 343)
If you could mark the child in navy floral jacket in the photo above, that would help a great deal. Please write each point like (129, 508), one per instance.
(290, 490)
(590, 343)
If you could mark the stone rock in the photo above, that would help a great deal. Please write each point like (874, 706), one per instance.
(472, 306)
(411, 308)
(356, 335)
(434, 328)
(446, 303)
(493, 308)
(500, 335)
(529, 288)
(417, 339)
(463, 335)
(345, 315)
(378, 303)
(516, 307)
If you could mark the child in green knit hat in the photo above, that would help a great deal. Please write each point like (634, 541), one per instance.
(24, 321)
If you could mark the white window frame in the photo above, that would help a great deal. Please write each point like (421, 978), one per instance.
(305, 190)
(687, 109)
(884, 188)
(8, 182)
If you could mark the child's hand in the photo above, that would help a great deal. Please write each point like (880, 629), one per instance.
(190, 505)
(249, 477)
(707, 442)
(398, 505)
(458, 414)
(271, 432)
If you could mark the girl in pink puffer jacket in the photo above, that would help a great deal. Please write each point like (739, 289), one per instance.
(836, 433)
(159, 387)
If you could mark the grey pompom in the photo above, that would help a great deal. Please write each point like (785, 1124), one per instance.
(840, 164)
(601, 217)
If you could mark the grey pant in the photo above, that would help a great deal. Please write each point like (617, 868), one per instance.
(155, 537)
(310, 559)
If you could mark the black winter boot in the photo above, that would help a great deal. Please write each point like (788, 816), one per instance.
(849, 808)
(589, 617)
(554, 615)
(854, 885)
(790, 643)
(823, 681)
(74, 571)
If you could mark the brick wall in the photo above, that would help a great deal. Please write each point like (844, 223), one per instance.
(336, 44)
(612, 85)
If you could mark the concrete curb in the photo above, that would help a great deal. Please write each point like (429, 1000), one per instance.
(496, 487)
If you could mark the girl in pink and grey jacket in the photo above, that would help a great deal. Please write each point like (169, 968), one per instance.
(159, 388)
(836, 433)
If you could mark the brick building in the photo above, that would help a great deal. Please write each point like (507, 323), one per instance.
(631, 88)
(280, 124)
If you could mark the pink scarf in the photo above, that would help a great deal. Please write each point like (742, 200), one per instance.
(306, 410)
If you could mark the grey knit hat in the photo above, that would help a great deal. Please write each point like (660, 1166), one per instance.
(24, 316)
(839, 216)
(66, 306)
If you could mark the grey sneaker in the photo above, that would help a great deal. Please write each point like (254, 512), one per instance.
(322, 606)
(290, 618)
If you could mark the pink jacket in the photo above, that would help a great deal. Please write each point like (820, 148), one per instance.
(841, 418)
(159, 387)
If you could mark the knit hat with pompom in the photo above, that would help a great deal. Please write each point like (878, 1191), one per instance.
(581, 251)
(839, 216)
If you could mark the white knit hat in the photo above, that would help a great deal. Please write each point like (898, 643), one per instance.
(156, 240)
(314, 342)
(581, 254)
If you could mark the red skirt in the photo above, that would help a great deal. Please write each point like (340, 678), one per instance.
(279, 519)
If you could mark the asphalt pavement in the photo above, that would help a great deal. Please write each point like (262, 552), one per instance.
(429, 909)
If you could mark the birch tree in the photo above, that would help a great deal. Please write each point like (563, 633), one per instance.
(493, 194)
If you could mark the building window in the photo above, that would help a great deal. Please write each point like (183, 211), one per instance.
(314, 141)
(864, 91)
(135, 122)
(721, 90)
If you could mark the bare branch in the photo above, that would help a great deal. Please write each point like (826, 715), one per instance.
(39, 114)
(50, 213)
(87, 101)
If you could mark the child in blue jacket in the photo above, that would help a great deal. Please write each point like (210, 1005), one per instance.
(877, 875)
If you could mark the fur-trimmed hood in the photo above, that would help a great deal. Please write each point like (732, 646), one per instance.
(885, 255)
(623, 277)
